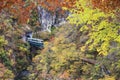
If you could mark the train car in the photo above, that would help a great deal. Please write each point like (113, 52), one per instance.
(36, 42)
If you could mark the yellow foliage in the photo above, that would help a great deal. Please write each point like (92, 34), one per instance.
(97, 24)
(108, 78)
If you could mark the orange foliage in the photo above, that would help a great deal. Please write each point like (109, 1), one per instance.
(106, 5)
(65, 75)
(18, 8)
(6, 3)
(2, 70)
(53, 5)
(22, 9)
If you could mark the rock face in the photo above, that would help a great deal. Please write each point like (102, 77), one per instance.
(27, 34)
(47, 19)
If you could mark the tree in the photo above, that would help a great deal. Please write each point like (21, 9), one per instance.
(106, 5)
(6, 4)
(62, 60)
(99, 25)
(102, 29)
(20, 9)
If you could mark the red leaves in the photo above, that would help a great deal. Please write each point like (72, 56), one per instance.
(18, 8)
(6, 3)
(106, 5)
(22, 10)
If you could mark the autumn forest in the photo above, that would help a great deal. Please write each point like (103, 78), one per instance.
(59, 39)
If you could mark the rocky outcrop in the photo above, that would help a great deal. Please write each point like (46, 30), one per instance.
(48, 19)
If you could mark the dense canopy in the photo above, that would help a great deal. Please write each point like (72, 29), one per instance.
(59, 39)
